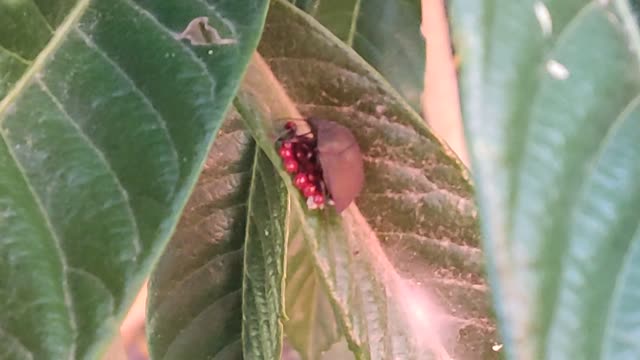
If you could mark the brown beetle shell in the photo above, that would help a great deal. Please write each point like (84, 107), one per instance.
(341, 161)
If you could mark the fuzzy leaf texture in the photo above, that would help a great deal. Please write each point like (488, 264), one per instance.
(105, 121)
(550, 93)
(385, 33)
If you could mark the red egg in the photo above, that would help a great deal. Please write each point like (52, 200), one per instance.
(300, 181)
(309, 190)
(301, 156)
(291, 166)
(285, 153)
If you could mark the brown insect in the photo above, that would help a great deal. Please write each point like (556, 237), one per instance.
(327, 167)
(340, 159)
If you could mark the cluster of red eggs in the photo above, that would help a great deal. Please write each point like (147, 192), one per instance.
(298, 152)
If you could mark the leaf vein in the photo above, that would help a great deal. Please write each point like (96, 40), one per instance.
(354, 23)
(217, 178)
(195, 317)
(97, 280)
(216, 211)
(15, 55)
(42, 58)
(146, 99)
(101, 155)
(42, 17)
(625, 269)
(469, 251)
(232, 343)
(16, 341)
(57, 243)
(189, 275)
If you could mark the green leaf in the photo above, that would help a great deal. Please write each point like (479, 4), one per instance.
(264, 263)
(233, 221)
(385, 33)
(311, 326)
(550, 99)
(105, 120)
(416, 196)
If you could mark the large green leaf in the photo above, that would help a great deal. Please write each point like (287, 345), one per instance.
(105, 120)
(385, 33)
(550, 98)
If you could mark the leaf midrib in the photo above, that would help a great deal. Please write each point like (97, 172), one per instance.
(40, 61)
(247, 233)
